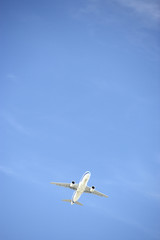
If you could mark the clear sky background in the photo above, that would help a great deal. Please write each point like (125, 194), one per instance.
(80, 90)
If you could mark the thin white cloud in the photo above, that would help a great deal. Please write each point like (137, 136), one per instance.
(154, 195)
(148, 8)
(12, 77)
(137, 177)
(127, 220)
(6, 170)
(90, 8)
(14, 123)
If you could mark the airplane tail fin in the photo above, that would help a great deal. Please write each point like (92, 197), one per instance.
(68, 200)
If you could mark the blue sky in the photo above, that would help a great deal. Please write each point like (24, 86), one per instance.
(79, 90)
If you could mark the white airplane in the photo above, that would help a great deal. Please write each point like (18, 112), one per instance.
(80, 188)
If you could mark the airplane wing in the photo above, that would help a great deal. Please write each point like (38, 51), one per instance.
(67, 185)
(87, 190)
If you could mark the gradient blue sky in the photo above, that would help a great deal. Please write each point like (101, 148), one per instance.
(79, 90)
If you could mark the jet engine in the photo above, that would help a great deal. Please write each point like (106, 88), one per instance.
(92, 189)
(72, 183)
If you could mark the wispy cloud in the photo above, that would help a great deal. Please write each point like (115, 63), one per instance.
(7, 170)
(20, 172)
(12, 77)
(147, 8)
(14, 123)
(91, 7)
(127, 220)
(135, 182)
(138, 178)
(30, 170)
(154, 195)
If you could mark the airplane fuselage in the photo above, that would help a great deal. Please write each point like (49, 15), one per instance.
(81, 187)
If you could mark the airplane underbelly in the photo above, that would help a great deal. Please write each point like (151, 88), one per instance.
(81, 188)
(77, 196)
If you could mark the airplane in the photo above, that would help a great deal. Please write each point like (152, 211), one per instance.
(80, 188)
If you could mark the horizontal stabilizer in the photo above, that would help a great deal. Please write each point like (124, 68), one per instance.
(68, 200)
